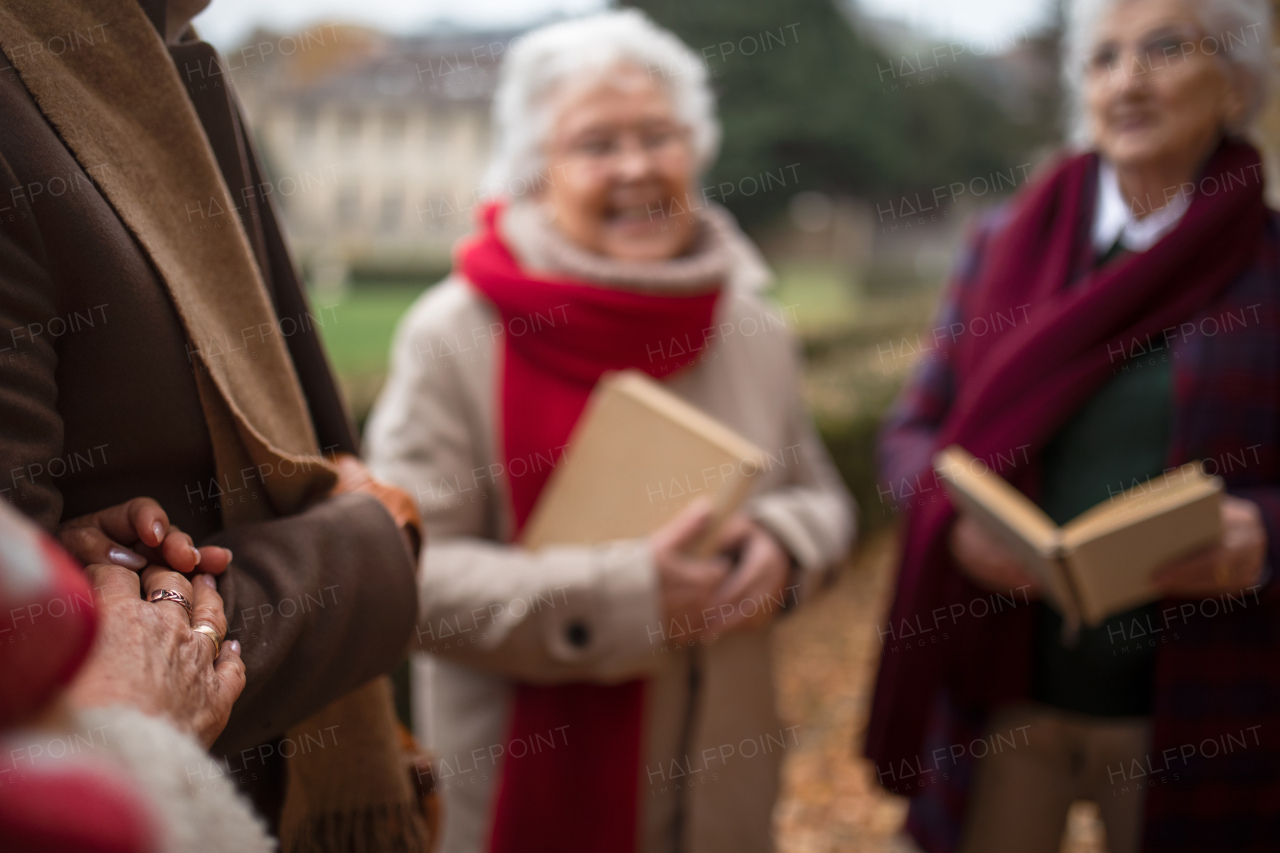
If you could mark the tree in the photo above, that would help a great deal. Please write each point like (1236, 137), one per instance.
(801, 88)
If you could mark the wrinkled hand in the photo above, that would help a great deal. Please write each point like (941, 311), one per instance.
(751, 594)
(686, 583)
(986, 562)
(1234, 565)
(147, 655)
(135, 534)
(354, 476)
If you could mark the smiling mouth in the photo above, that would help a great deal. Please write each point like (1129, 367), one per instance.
(1129, 123)
(631, 216)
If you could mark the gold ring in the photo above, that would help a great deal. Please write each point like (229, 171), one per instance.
(170, 595)
(212, 635)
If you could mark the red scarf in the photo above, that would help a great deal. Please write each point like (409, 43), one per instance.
(559, 338)
(1016, 389)
(48, 621)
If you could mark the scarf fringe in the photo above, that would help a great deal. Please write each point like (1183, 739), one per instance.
(398, 828)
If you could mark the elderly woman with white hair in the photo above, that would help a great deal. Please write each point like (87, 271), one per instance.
(1144, 274)
(616, 697)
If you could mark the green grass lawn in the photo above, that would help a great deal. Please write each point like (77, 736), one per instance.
(822, 299)
(821, 303)
(358, 329)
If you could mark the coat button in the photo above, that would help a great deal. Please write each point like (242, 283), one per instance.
(578, 634)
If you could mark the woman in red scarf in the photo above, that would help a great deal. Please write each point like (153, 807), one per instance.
(1134, 290)
(619, 697)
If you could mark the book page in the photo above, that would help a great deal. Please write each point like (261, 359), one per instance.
(1011, 518)
(1046, 568)
(1158, 495)
(1112, 568)
(998, 500)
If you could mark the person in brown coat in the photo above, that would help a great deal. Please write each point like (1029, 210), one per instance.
(155, 342)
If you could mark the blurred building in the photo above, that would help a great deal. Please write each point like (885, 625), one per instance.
(376, 144)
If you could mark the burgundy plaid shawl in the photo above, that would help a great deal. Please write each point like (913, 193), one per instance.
(1207, 297)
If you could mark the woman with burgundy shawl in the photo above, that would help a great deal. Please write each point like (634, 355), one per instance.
(619, 697)
(1135, 287)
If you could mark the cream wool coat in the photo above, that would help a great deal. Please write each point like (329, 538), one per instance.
(491, 613)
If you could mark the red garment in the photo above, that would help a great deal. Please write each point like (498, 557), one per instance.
(46, 619)
(1017, 388)
(559, 338)
(47, 624)
(84, 808)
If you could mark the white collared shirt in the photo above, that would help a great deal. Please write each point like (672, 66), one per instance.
(1113, 218)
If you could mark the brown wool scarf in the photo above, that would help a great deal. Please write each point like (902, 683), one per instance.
(103, 78)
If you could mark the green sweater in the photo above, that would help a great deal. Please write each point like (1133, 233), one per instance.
(1117, 439)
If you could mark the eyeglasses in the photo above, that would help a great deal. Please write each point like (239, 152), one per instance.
(600, 149)
(1156, 51)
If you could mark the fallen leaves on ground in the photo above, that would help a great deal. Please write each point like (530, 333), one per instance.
(825, 659)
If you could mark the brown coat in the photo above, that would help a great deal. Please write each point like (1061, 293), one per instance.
(99, 403)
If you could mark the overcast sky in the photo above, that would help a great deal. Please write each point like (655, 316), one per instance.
(227, 22)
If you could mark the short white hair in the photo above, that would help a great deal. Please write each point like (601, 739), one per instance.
(544, 59)
(1238, 32)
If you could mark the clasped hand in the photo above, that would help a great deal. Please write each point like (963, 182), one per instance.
(149, 655)
(739, 585)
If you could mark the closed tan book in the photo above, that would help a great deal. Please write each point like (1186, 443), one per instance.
(638, 455)
(1100, 563)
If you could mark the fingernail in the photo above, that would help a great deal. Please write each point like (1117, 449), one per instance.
(230, 556)
(197, 553)
(207, 580)
(126, 558)
(234, 645)
(158, 529)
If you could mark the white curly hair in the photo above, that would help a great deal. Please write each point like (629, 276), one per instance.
(1238, 32)
(541, 62)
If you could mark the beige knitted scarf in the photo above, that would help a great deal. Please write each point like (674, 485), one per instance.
(103, 78)
(720, 253)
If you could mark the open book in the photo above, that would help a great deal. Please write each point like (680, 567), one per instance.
(638, 455)
(1099, 563)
